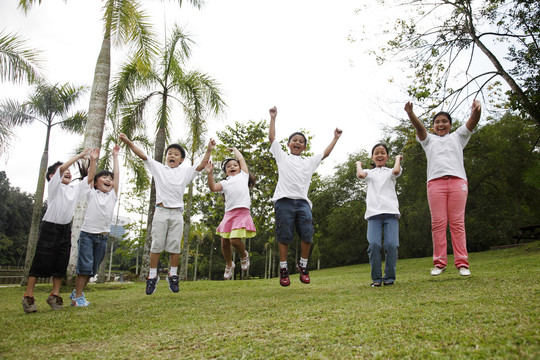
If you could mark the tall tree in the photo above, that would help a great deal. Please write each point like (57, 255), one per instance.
(49, 105)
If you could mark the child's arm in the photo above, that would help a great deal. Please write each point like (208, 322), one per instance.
(136, 150)
(211, 144)
(475, 115)
(116, 169)
(359, 172)
(211, 183)
(272, 128)
(240, 158)
(71, 161)
(397, 165)
(421, 131)
(94, 155)
(330, 147)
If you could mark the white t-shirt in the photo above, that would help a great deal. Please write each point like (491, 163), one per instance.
(294, 173)
(99, 212)
(236, 191)
(381, 195)
(445, 153)
(63, 199)
(170, 182)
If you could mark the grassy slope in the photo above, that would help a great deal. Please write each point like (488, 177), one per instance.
(492, 314)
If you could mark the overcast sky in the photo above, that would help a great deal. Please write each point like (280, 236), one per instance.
(294, 54)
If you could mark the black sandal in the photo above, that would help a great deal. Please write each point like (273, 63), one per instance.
(388, 283)
(375, 284)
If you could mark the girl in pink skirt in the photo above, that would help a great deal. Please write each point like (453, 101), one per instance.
(237, 222)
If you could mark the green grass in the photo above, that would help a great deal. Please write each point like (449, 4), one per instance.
(492, 314)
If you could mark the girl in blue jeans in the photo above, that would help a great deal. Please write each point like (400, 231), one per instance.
(382, 213)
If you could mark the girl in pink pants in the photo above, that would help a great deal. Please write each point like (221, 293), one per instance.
(446, 183)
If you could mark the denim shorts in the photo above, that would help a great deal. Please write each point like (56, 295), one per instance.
(52, 250)
(92, 248)
(291, 215)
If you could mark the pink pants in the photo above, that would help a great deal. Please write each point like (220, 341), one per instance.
(447, 197)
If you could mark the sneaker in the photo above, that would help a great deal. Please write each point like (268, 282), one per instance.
(151, 285)
(80, 302)
(304, 274)
(245, 262)
(284, 277)
(228, 272)
(437, 271)
(55, 302)
(463, 271)
(72, 295)
(173, 283)
(29, 304)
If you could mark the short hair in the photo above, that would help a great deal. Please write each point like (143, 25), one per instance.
(102, 173)
(376, 146)
(52, 169)
(441, 113)
(297, 133)
(178, 147)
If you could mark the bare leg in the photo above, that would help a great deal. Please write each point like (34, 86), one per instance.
(240, 247)
(57, 283)
(283, 249)
(80, 283)
(154, 260)
(174, 259)
(304, 249)
(32, 280)
(227, 251)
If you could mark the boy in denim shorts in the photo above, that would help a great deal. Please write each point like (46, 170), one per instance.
(292, 206)
(168, 223)
(54, 242)
(96, 226)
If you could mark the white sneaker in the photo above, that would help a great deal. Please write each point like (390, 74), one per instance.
(245, 262)
(228, 272)
(463, 271)
(437, 271)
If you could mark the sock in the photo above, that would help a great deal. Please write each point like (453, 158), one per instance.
(303, 262)
(283, 265)
(173, 271)
(153, 273)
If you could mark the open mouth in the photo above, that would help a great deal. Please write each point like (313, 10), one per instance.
(171, 162)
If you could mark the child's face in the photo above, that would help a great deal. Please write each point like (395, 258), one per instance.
(104, 183)
(173, 158)
(380, 156)
(297, 144)
(232, 168)
(66, 177)
(441, 125)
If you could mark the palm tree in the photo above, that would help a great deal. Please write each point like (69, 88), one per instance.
(168, 84)
(49, 105)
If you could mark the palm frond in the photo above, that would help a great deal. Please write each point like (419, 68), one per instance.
(18, 63)
(76, 123)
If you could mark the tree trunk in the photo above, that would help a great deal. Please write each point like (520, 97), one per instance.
(210, 259)
(185, 242)
(195, 266)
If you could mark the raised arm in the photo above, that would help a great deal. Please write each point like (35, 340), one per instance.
(210, 172)
(475, 115)
(211, 144)
(359, 171)
(94, 156)
(72, 160)
(330, 147)
(116, 169)
(421, 131)
(240, 158)
(272, 128)
(136, 150)
(397, 165)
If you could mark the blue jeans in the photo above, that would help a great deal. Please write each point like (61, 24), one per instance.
(377, 225)
(92, 248)
(291, 215)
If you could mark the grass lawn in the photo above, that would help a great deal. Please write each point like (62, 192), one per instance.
(493, 314)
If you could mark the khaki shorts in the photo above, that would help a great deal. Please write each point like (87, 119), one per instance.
(167, 230)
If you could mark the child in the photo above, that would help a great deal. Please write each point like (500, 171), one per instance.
(446, 183)
(54, 242)
(168, 223)
(382, 214)
(292, 206)
(237, 222)
(96, 227)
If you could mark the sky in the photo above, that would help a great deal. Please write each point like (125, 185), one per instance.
(293, 54)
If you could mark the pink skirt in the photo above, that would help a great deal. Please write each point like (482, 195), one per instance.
(237, 223)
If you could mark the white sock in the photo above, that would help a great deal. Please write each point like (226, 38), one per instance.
(283, 265)
(153, 273)
(303, 262)
(173, 271)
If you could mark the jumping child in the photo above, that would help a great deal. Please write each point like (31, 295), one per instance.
(54, 242)
(96, 227)
(292, 206)
(382, 214)
(447, 186)
(237, 222)
(168, 223)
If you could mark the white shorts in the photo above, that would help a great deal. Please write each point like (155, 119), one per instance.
(167, 230)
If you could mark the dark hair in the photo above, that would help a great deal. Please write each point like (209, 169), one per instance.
(52, 169)
(297, 133)
(373, 150)
(102, 173)
(252, 179)
(178, 147)
(441, 113)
